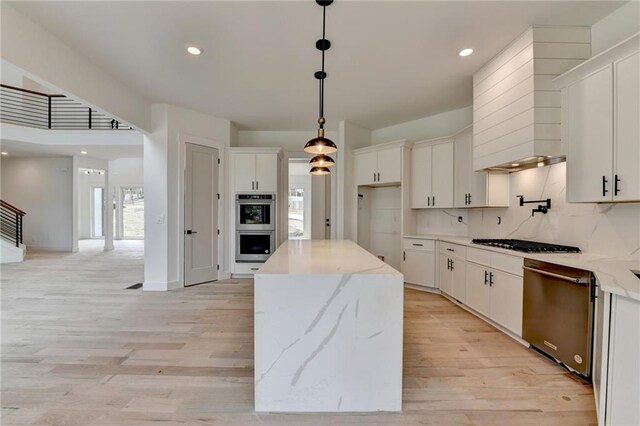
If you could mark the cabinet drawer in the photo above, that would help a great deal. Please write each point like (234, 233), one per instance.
(507, 263)
(482, 257)
(453, 249)
(418, 244)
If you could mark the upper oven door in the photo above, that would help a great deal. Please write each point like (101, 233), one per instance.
(255, 215)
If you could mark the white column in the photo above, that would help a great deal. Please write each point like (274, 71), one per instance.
(108, 210)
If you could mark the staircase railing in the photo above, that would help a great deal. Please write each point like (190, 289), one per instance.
(35, 109)
(11, 223)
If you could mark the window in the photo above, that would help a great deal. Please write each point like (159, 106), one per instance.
(98, 212)
(132, 202)
(296, 213)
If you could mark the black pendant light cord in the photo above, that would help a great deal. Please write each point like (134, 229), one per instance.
(324, 22)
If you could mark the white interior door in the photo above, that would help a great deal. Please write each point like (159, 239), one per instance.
(201, 215)
(320, 211)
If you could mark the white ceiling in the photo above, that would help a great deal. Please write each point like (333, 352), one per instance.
(390, 61)
(101, 152)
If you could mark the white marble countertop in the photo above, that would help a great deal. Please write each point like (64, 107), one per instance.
(614, 274)
(324, 257)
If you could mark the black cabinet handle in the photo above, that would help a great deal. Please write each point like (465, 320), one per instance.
(452, 264)
(450, 249)
(490, 279)
(190, 232)
(469, 198)
(429, 201)
(616, 181)
(378, 176)
(417, 245)
(404, 255)
(486, 277)
(374, 176)
(604, 186)
(433, 200)
(449, 264)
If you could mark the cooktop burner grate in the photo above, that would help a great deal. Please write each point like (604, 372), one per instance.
(525, 246)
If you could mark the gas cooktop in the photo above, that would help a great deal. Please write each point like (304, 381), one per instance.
(525, 246)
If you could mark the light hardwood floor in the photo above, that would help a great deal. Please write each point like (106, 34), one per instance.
(78, 349)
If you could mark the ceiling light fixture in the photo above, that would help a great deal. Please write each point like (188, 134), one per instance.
(83, 152)
(465, 52)
(4, 153)
(194, 50)
(322, 160)
(320, 145)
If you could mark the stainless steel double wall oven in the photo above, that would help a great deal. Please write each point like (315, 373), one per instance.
(255, 227)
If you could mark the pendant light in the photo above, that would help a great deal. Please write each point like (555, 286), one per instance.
(321, 146)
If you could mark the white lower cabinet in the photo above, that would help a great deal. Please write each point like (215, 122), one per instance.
(620, 368)
(452, 271)
(418, 262)
(496, 295)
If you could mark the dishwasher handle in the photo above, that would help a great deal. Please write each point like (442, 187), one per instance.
(578, 280)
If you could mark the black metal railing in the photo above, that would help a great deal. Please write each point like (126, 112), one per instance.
(40, 110)
(11, 223)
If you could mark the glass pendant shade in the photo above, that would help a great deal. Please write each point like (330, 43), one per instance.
(320, 171)
(320, 145)
(322, 160)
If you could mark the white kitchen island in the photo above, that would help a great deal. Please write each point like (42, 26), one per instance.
(328, 321)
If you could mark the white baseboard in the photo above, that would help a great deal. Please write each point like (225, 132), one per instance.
(50, 248)
(160, 285)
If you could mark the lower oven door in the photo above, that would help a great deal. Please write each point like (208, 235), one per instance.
(254, 246)
(558, 313)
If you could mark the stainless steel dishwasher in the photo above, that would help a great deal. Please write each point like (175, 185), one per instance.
(558, 313)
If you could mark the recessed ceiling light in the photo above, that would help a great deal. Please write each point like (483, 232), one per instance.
(83, 152)
(4, 153)
(194, 50)
(515, 165)
(465, 52)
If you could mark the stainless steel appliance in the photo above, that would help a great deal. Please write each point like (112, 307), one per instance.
(255, 246)
(558, 313)
(255, 212)
(525, 246)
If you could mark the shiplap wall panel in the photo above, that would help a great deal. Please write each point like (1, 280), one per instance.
(514, 100)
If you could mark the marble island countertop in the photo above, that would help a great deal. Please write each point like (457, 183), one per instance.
(324, 257)
(614, 274)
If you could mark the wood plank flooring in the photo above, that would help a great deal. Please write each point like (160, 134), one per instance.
(78, 349)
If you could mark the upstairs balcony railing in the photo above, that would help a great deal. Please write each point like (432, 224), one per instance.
(11, 223)
(43, 111)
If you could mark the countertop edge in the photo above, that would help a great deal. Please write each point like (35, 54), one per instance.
(612, 273)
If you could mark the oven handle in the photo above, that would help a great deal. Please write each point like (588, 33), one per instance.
(558, 276)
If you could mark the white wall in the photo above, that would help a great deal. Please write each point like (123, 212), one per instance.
(616, 27)
(46, 60)
(164, 183)
(607, 229)
(430, 127)
(344, 196)
(42, 187)
(289, 141)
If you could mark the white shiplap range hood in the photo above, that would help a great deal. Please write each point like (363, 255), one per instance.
(516, 108)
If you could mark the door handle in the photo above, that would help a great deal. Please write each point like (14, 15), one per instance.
(575, 280)
(604, 186)
(190, 232)
(616, 181)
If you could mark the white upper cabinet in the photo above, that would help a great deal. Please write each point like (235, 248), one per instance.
(432, 174)
(601, 113)
(476, 189)
(254, 171)
(378, 165)
(516, 108)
